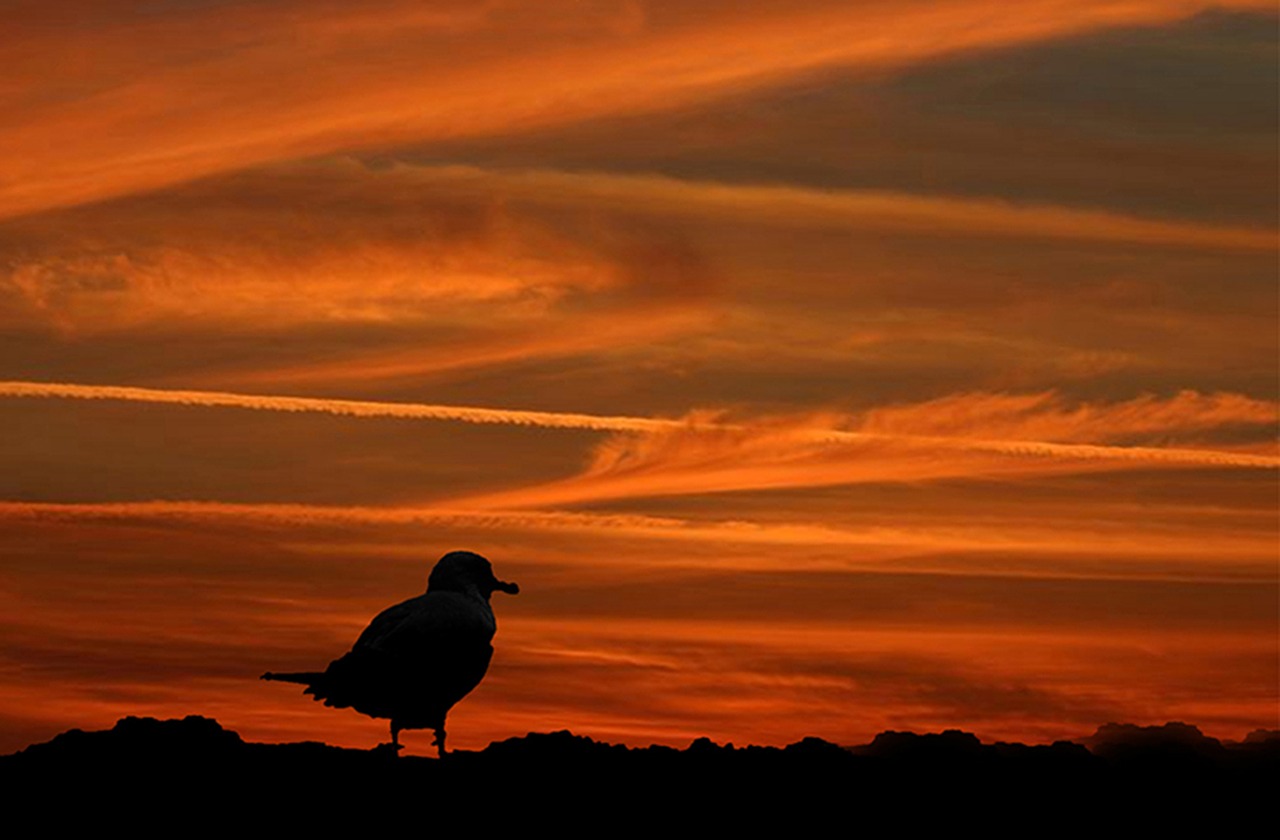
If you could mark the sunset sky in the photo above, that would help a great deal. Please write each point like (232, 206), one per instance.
(816, 368)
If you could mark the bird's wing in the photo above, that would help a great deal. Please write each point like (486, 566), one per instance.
(389, 622)
(436, 620)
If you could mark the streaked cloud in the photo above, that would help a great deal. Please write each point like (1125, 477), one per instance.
(808, 438)
(900, 444)
(882, 547)
(406, 244)
(615, 653)
(1047, 416)
(864, 209)
(890, 364)
(135, 116)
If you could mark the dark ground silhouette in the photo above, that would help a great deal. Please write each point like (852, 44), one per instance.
(168, 773)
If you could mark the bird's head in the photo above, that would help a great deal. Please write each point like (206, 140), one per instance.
(460, 571)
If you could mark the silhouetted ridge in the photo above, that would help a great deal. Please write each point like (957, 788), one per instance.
(950, 744)
(134, 741)
(1147, 775)
(1174, 739)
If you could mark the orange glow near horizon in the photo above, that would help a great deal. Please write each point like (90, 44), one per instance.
(816, 369)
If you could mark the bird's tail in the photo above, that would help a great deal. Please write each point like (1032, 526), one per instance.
(304, 677)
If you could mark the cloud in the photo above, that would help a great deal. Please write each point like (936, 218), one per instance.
(118, 290)
(716, 454)
(126, 102)
(552, 337)
(709, 650)
(963, 436)
(375, 275)
(386, 273)
(1048, 416)
(334, 242)
(177, 211)
(327, 244)
(789, 206)
(1151, 544)
(1087, 120)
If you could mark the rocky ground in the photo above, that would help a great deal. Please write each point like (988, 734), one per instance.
(176, 775)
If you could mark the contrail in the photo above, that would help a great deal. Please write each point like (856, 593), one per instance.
(1076, 451)
(659, 527)
(305, 513)
(345, 408)
(614, 423)
(719, 531)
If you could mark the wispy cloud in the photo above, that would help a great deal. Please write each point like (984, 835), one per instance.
(1048, 416)
(918, 358)
(880, 547)
(162, 99)
(961, 439)
(327, 243)
(552, 337)
(465, 247)
(787, 206)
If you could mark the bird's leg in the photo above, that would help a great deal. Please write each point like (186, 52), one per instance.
(439, 740)
(395, 744)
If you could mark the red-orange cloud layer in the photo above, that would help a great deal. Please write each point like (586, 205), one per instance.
(815, 367)
(141, 102)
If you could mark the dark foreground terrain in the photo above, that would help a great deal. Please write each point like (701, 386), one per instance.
(180, 775)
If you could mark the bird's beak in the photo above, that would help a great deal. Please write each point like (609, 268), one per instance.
(503, 586)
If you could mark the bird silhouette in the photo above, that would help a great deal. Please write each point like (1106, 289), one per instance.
(417, 659)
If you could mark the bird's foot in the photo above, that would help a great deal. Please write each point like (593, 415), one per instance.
(389, 750)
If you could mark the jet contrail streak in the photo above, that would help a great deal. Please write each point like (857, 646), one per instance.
(612, 423)
(345, 408)
(636, 526)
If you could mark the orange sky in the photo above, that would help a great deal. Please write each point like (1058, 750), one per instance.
(821, 370)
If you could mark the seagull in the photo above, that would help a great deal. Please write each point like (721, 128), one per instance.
(417, 659)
